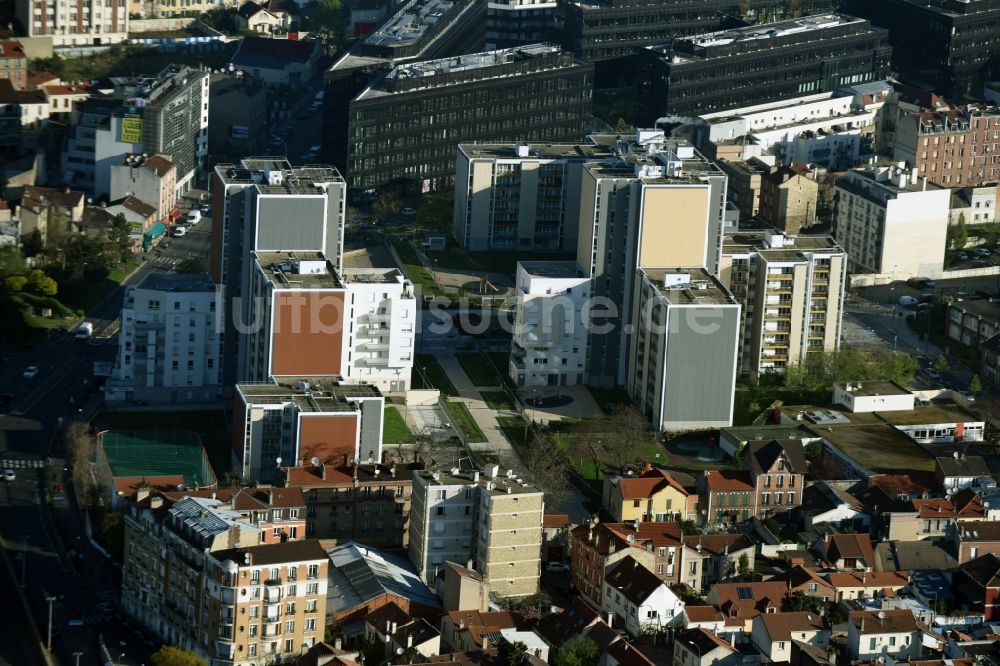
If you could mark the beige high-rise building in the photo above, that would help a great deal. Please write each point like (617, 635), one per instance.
(792, 292)
(494, 522)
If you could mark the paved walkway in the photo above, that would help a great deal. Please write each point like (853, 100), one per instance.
(497, 443)
(583, 405)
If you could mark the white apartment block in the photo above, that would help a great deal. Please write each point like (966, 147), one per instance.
(381, 329)
(682, 362)
(891, 223)
(549, 346)
(91, 23)
(168, 345)
(494, 523)
(792, 292)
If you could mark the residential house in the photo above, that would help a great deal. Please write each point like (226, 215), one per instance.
(706, 617)
(534, 644)
(829, 503)
(462, 588)
(699, 647)
(260, 18)
(45, 208)
(960, 471)
(574, 620)
(14, 63)
(805, 579)
(415, 640)
(23, 114)
(151, 179)
(851, 585)
(725, 497)
(788, 198)
(777, 471)
(740, 603)
(710, 558)
(920, 556)
(594, 548)
(140, 216)
(929, 518)
(277, 61)
(464, 630)
(848, 551)
(579, 619)
(990, 366)
(872, 635)
(973, 538)
(555, 537)
(654, 495)
(638, 600)
(773, 633)
(977, 583)
(370, 502)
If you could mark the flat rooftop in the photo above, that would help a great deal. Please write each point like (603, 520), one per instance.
(373, 276)
(878, 448)
(287, 179)
(496, 486)
(868, 389)
(473, 61)
(148, 453)
(309, 394)
(177, 282)
(551, 269)
(744, 242)
(298, 270)
(688, 286)
(536, 151)
(408, 25)
(837, 415)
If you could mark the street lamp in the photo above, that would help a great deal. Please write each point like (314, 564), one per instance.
(76, 656)
(48, 643)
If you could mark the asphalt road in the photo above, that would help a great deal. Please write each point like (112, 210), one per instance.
(87, 586)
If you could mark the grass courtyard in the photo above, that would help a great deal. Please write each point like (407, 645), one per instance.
(478, 369)
(394, 428)
(435, 374)
(462, 419)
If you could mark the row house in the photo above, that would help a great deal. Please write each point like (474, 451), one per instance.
(958, 147)
(847, 552)
(875, 636)
(972, 322)
(851, 585)
(708, 559)
(370, 502)
(740, 603)
(929, 518)
(973, 538)
(279, 513)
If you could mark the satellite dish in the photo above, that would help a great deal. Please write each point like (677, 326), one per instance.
(246, 558)
(881, 615)
(315, 461)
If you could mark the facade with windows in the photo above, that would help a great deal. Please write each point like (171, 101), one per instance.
(952, 148)
(742, 67)
(91, 23)
(513, 22)
(168, 344)
(403, 128)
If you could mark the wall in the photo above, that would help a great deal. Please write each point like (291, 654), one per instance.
(307, 333)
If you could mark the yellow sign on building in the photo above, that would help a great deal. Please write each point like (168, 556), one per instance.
(131, 130)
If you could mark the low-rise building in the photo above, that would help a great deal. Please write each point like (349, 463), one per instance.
(952, 147)
(463, 630)
(973, 538)
(778, 473)
(700, 647)
(960, 471)
(788, 198)
(726, 496)
(43, 208)
(740, 603)
(639, 600)
(711, 558)
(14, 63)
(278, 61)
(847, 552)
(892, 633)
(555, 537)
(654, 495)
(973, 322)
(363, 502)
(850, 585)
(828, 502)
(773, 633)
(977, 582)
(152, 180)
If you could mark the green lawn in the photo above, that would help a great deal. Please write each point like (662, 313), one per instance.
(435, 374)
(513, 429)
(501, 360)
(394, 428)
(479, 370)
(498, 400)
(119, 273)
(463, 420)
(211, 426)
(415, 270)
(751, 401)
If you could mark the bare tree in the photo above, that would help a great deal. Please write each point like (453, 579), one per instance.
(81, 448)
(628, 428)
(588, 444)
(546, 464)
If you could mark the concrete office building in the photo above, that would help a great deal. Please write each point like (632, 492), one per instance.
(682, 364)
(78, 24)
(891, 222)
(514, 22)
(172, 111)
(152, 180)
(607, 32)
(792, 292)
(403, 128)
(95, 145)
(949, 44)
(265, 205)
(419, 30)
(549, 346)
(757, 64)
(521, 197)
(304, 420)
(494, 522)
(957, 147)
(168, 345)
(657, 203)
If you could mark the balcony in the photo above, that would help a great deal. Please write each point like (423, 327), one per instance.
(379, 317)
(272, 630)
(272, 593)
(379, 362)
(377, 346)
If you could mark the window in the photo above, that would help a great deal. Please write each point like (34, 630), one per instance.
(635, 504)
(313, 571)
(310, 624)
(289, 644)
(313, 588)
(253, 630)
(290, 627)
(252, 650)
(892, 641)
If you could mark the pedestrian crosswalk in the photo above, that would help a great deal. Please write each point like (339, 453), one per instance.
(21, 463)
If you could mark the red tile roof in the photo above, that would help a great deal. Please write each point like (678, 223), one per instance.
(703, 614)
(13, 49)
(650, 534)
(726, 480)
(781, 625)
(856, 546)
(869, 579)
(553, 520)
(743, 601)
(128, 485)
(648, 484)
(718, 544)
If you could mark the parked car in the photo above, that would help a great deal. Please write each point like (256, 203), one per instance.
(205, 208)
(933, 373)
(409, 212)
(30, 372)
(8, 475)
(194, 217)
(967, 395)
(560, 567)
(179, 231)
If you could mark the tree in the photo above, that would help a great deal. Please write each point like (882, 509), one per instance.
(743, 567)
(34, 278)
(47, 286)
(81, 449)
(518, 654)
(975, 385)
(11, 261)
(941, 364)
(173, 656)
(373, 651)
(190, 265)
(386, 204)
(689, 527)
(959, 234)
(799, 601)
(628, 430)
(119, 240)
(589, 445)
(15, 283)
(546, 464)
(578, 651)
(436, 213)
(32, 244)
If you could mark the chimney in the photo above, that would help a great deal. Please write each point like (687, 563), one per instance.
(338, 643)
(409, 641)
(486, 643)
(155, 502)
(142, 493)
(468, 565)
(611, 617)
(393, 628)
(213, 494)
(322, 471)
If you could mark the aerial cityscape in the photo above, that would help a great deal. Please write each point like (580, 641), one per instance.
(500, 332)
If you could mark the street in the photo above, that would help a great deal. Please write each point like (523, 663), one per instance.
(59, 560)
